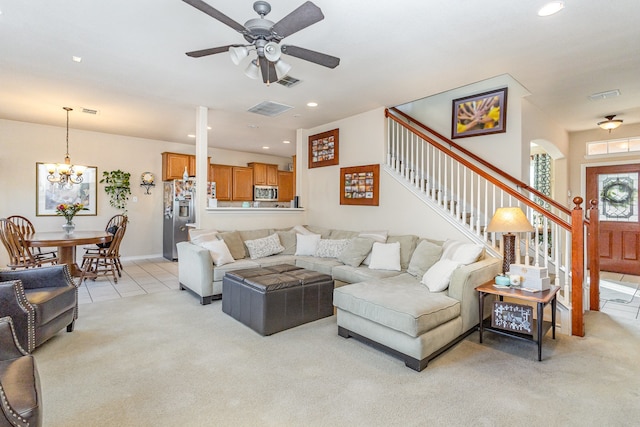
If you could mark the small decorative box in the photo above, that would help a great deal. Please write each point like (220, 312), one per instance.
(528, 271)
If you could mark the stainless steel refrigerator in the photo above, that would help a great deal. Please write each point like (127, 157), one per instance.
(179, 210)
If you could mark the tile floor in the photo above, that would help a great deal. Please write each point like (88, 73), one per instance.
(616, 306)
(139, 277)
(158, 274)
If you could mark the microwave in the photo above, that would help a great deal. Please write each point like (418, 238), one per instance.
(266, 193)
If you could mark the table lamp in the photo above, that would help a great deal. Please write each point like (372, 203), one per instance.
(508, 221)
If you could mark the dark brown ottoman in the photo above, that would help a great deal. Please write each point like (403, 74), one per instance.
(272, 299)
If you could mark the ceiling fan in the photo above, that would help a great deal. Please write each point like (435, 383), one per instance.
(265, 36)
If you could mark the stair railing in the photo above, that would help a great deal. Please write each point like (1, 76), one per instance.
(470, 189)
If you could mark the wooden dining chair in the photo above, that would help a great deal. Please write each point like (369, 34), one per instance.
(20, 255)
(114, 223)
(104, 261)
(26, 227)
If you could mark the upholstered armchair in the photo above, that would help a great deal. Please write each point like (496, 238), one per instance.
(41, 301)
(20, 398)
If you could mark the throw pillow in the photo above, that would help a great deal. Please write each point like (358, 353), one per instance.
(356, 251)
(299, 229)
(437, 278)
(111, 230)
(464, 253)
(306, 244)
(425, 255)
(329, 248)
(260, 248)
(219, 252)
(385, 256)
(288, 240)
(234, 243)
(377, 236)
(200, 236)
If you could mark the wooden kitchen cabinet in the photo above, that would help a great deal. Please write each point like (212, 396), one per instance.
(264, 173)
(242, 185)
(285, 186)
(173, 165)
(222, 175)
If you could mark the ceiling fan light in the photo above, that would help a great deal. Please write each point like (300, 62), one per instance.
(238, 53)
(252, 71)
(282, 68)
(610, 123)
(272, 51)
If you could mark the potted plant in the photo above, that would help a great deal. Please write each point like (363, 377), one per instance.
(118, 188)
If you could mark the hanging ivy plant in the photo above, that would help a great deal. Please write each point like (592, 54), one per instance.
(117, 188)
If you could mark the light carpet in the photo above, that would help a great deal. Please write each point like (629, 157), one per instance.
(164, 360)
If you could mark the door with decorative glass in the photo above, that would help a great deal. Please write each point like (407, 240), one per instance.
(616, 189)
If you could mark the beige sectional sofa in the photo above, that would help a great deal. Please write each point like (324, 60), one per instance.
(382, 299)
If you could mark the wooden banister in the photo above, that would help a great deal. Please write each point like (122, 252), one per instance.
(577, 268)
(594, 256)
(483, 162)
(506, 188)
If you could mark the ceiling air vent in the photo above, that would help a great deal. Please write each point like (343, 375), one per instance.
(289, 81)
(269, 108)
(604, 95)
(89, 111)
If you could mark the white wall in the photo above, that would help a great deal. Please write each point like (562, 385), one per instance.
(503, 149)
(24, 144)
(362, 139)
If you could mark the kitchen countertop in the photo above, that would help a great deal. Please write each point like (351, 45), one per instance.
(250, 210)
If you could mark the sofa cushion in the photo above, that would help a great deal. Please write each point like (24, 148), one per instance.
(407, 246)
(218, 272)
(330, 248)
(437, 278)
(301, 229)
(425, 255)
(342, 234)
(385, 256)
(306, 244)
(409, 307)
(288, 240)
(234, 243)
(264, 247)
(349, 274)
(356, 251)
(321, 265)
(276, 260)
(464, 253)
(219, 251)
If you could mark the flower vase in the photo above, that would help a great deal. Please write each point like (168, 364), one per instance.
(69, 226)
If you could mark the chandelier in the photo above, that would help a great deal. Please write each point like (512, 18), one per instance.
(65, 174)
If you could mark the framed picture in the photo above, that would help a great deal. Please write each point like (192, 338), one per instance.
(323, 149)
(359, 185)
(481, 114)
(49, 194)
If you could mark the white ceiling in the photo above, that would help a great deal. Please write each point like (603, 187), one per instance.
(135, 73)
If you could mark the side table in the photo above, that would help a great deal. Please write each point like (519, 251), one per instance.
(541, 298)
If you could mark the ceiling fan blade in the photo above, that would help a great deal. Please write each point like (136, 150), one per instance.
(268, 70)
(311, 55)
(211, 51)
(216, 14)
(305, 15)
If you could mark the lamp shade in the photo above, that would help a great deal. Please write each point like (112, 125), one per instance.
(252, 71)
(282, 68)
(238, 53)
(509, 220)
(610, 123)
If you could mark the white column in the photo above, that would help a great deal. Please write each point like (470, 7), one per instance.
(202, 165)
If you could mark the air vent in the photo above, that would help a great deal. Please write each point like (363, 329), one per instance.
(269, 108)
(604, 95)
(289, 81)
(89, 111)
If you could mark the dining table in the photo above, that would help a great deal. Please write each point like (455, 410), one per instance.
(66, 244)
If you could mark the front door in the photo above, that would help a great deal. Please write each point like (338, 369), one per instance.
(616, 190)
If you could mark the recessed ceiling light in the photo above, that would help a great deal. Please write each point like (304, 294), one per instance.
(551, 8)
(252, 126)
(76, 58)
(312, 104)
(208, 127)
(191, 135)
(286, 142)
(265, 147)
